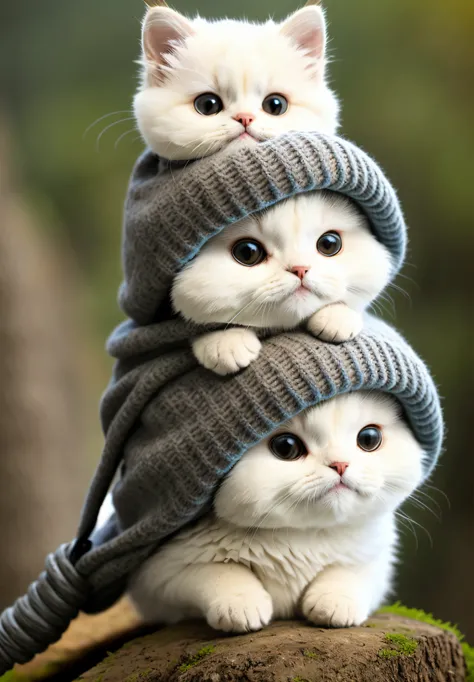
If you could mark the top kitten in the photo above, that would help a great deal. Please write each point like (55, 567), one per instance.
(210, 85)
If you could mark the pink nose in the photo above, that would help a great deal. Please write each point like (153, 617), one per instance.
(300, 271)
(245, 119)
(340, 467)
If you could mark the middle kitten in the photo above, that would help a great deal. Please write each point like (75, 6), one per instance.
(312, 259)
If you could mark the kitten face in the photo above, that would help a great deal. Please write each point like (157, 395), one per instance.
(241, 66)
(266, 491)
(298, 274)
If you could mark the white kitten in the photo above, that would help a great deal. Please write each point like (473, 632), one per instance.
(209, 85)
(303, 524)
(311, 259)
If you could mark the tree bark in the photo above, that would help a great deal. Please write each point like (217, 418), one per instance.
(386, 648)
(43, 465)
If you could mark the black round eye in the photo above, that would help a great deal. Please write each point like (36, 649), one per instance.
(208, 104)
(248, 252)
(287, 446)
(370, 438)
(275, 105)
(330, 244)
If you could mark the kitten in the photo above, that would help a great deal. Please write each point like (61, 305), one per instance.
(213, 85)
(311, 259)
(303, 524)
(202, 92)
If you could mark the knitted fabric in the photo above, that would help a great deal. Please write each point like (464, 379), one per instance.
(169, 216)
(177, 428)
(174, 429)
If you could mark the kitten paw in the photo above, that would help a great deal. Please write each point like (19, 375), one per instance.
(335, 323)
(333, 609)
(228, 351)
(247, 611)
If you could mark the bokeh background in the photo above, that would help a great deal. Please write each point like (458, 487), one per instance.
(405, 73)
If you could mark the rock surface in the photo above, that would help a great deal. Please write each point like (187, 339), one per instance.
(386, 648)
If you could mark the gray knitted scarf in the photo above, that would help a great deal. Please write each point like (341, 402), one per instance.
(172, 428)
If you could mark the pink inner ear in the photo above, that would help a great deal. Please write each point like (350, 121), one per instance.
(306, 29)
(312, 40)
(162, 30)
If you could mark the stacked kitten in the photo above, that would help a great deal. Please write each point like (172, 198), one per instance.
(305, 523)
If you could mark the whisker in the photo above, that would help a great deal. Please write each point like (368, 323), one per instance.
(123, 135)
(406, 522)
(254, 530)
(102, 118)
(252, 301)
(112, 125)
(400, 289)
(438, 490)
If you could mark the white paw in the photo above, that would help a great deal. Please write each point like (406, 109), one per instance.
(247, 611)
(228, 351)
(335, 323)
(322, 606)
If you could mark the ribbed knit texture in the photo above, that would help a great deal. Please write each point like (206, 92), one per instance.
(179, 428)
(174, 429)
(169, 216)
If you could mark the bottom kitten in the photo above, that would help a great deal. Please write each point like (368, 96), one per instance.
(303, 525)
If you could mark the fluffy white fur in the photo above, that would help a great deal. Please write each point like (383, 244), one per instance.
(241, 62)
(215, 288)
(285, 537)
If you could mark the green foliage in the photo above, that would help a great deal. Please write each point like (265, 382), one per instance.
(417, 614)
(46, 671)
(10, 676)
(196, 658)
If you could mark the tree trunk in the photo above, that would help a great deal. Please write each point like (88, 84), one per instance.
(386, 648)
(43, 465)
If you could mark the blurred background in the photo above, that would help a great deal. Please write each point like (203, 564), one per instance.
(404, 71)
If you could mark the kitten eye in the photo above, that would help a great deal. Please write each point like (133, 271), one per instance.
(288, 447)
(330, 244)
(248, 252)
(370, 438)
(275, 105)
(208, 104)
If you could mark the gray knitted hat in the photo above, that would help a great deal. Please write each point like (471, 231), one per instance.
(174, 429)
(170, 215)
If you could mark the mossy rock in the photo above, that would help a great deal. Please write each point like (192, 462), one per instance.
(396, 648)
(386, 644)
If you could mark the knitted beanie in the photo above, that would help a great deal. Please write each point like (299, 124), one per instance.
(170, 215)
(174, 429)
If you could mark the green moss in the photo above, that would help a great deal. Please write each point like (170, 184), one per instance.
(196, 658)
(405, 645)
(416, 614)
(298, 679)
(310, 654)
(46, 671)
(138, 677)
(388, 653)
(401, 645)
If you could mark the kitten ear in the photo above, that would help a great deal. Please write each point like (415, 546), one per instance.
(307, 29)
(163, 28)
